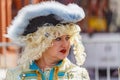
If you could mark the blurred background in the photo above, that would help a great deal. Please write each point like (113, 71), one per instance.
(100, 36)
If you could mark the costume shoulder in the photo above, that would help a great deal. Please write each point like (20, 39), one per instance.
(74, 71)
(14, 74)
(83, 73)
(9, 75)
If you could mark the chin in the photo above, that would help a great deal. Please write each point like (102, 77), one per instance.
(63, 57)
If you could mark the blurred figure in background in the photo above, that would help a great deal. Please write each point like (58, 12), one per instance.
(115, 23)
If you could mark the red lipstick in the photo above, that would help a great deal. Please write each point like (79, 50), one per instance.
(63, 51)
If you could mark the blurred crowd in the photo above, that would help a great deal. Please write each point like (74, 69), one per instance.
(101, 16)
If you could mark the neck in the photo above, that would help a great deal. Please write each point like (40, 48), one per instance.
(44, 63)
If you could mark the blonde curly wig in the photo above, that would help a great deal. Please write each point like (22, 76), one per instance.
(36, 43)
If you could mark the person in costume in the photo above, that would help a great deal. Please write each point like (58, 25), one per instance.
(47, 31)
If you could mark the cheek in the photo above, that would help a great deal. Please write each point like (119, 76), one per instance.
(68, 44)
(54, 48)
(56, 45)
(68, 49)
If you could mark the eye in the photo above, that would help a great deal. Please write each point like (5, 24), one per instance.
(58, 39)
(67, 37)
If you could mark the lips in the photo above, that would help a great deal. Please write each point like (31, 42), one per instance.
(63, 51)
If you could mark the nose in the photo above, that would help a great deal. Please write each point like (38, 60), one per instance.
(65, 43)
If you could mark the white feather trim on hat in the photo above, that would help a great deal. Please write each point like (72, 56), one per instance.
(70, 13)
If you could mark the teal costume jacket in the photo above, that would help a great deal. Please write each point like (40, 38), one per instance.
(64, 70)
